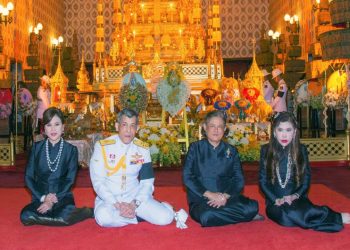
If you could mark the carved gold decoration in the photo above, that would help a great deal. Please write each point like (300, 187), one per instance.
(170, 28)
(83, 78)
(58, 83)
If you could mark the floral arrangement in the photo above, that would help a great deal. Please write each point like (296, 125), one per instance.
(24, 97)
(330, 99)
(314, 88)
(210, 84)
(315, 92)
(173, 91)
(246, 143)
(222, 105)
(26, 103)
(342, 100)
(133, 78)
(164, 147)
(316, 102)
(251, 94)
(209, 95)
(173, 74)
(111, 119)
(78, 126)
(5, 110)
(242, 105)
(5, 103)
(133, 97)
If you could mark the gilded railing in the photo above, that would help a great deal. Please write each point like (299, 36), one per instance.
(327, 149)
(7, 157)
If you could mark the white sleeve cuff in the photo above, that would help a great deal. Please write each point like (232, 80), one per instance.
(42, 199)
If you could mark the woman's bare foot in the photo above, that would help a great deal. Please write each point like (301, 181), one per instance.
(346, 218)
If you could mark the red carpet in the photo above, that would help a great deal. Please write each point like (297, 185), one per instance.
(88, 235)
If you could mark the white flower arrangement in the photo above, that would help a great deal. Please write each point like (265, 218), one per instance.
(143, 132)
(154, 149)
(331, 99)
(164, 131)
(153, 137)
(244, 141)
(242, 137)
(164, 147)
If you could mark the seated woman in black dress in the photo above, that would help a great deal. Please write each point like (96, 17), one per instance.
(284, 178)
(50, 174)
(213, 177)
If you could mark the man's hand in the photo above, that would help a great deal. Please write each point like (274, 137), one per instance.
(44, 207)
(52, 198)
(279, 201)
(290, 198)
(215, 199)
(126, 210)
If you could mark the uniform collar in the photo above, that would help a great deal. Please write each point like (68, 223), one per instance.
(122, 143)
(217, 147)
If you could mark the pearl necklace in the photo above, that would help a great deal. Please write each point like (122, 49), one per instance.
(58, 157)
(289, 168)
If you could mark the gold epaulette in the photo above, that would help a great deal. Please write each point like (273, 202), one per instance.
(140, 143)
(107, 142)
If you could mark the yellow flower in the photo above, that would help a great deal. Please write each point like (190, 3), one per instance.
(132, 98)
(165, 149)
(251, 138)
(154, 129)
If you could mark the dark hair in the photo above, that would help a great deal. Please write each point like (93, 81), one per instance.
(274, 152)
(50, 113)
(211, 115)
(128, 113)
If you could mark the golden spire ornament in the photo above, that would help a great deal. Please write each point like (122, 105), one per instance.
(83, 76)
(59, 84)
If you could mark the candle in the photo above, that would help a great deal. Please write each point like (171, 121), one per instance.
(112, 104)
(171, 6)
(143, 13)
(181, 17)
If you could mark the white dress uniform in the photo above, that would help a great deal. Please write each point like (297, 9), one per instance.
(123, 173)
(44, 99)
(268, 91)
(279, 104)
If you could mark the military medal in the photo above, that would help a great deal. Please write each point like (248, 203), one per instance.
(136, 159)
(228, 153)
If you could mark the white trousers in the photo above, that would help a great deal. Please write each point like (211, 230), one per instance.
(152, 211)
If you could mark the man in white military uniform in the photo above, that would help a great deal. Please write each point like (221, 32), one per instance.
(123, 179)
(279, 104)
(44, 100)
(267, 88)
